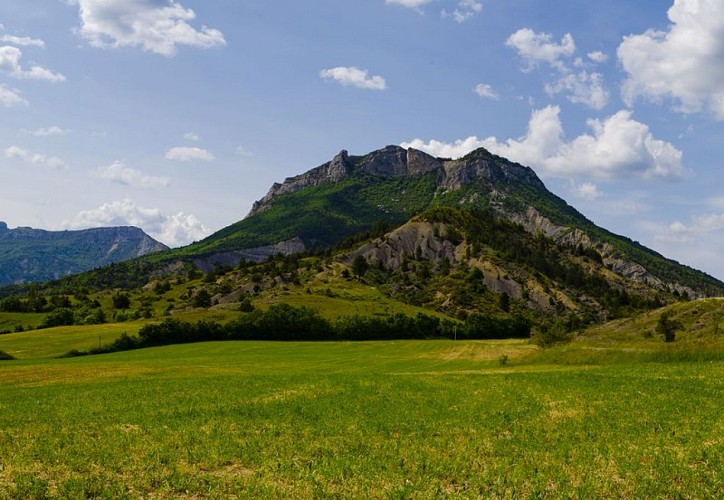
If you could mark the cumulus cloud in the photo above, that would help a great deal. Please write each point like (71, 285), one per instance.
(597, 56)
(158, 26)
(119, 173)
(441, 149)
(684, 63)
(22, 41)
(191, 136)
(25, 156)
(582, 88)
(10, 64)
(10, 97)
(586, 190)
(188, 154)
(617, 147)
(173, 230)
(579, 85)
(535, 48)
(486, 91)
(349, 75)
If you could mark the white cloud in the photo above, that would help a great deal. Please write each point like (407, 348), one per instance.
(34, 158)
(465, 10)
(183, 153)
(173, 230)
(618, 147)
(355, 77)
(10, 64)
(22, 41)
(701, 223)
(486, 91)
(586, 190)
(191, 136)
(583, 88)
(45, 132)
(535, 48)
(440, 149)
(10, 97)
(119, 173)
(158, 26)
(684, 63)
(597, 56)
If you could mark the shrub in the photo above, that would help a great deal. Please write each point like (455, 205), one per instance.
(59, 317)
(667, 327)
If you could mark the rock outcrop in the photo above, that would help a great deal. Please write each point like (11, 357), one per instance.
(395, 162)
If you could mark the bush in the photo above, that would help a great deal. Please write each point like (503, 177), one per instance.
(59, 317)
(667, 327)
(549, 335)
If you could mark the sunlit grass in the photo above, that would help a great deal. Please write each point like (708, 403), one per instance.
(394, 419)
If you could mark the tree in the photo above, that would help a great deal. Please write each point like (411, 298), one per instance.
(504, 302)
(121, 301)
(667, 327)
(360, 266)
(202, 298)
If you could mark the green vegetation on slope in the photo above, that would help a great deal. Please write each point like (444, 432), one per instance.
(324, 215)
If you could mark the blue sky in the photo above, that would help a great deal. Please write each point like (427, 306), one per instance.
(176, 115)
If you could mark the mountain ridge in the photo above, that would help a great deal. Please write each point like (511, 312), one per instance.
(30, 255)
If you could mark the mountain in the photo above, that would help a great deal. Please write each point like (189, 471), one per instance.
(34, 255)
(350, 194)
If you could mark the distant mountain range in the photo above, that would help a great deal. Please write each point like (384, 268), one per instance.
(33, 255)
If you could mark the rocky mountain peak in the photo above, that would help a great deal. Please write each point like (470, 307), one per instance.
(396, 162)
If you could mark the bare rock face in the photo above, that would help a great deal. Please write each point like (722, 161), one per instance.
(390, 161)
(336, 170)
(478, 168)
(423, 239)
(420, 163)
(257, 254)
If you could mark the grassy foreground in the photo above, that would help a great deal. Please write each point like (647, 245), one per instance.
(396, 419)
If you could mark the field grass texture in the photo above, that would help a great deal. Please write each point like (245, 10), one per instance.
(396, 419)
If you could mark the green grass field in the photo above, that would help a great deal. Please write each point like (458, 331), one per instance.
(420, 419)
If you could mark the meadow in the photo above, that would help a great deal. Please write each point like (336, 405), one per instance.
(394, 419)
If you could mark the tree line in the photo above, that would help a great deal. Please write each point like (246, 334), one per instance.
(283, 322)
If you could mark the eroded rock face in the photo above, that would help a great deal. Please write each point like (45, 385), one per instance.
(423, 239)
(257, 254)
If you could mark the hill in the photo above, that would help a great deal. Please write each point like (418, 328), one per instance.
(349, 194)
(34, 255)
